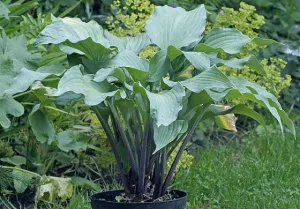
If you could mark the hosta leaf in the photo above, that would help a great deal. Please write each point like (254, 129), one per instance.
(72, 140)
(159, 66)
(249, 61)
(134, 44)
(9, 106)
(174, 26)
(226, 121)
(165, 106)
(27, 77)
(209, 79)
(241, 109)
(14, 160)
(199, 60)
(163, 135)
(136, 66)
(74, 81)
(4, 11)
(229, 40)
(73, 30)
(41, 125)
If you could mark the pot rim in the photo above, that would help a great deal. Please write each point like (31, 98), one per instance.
(184, 196)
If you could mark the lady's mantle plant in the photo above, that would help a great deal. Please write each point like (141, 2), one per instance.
(147, 107)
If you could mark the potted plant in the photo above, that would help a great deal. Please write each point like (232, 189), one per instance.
(148, 108)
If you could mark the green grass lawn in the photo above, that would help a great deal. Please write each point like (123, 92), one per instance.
(261, 172)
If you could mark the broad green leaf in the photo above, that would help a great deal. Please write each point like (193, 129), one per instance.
(9, 106)
(4, 11)
(173, 52)
(159, 66)
(41, 125)
(199, 60)
(134, 44)
(249, 61)
(136, 66)
(14, 160)
(241, 109)
(52, 189)
(228, 39)
(74, 81)
(163, 135)
(22, 180)
(72, 140)
(27, 77)
(226, 121)
(176, 27)
(75, 36)
(112, 75)
(72, 30)
(209, 79)
(164, 106)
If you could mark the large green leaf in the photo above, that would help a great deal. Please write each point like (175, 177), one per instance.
(163, 135)
(134, 44)
(9, 106)
(72, 140)
(75, 36)
(228, 40)
(174, 26)
(136, 66)
(74, 81)
(41, 125)
(209, 79)
(27, 77)
(4, 11)
(249, 61)
(72, 30)
(164, 106)
(199, 60)
(159, 66)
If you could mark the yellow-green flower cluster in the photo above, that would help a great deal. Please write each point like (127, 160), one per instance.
(129, 17)
(245, 20)
(248, 22)
(185, 161)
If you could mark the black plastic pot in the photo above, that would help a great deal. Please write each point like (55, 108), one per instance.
(100, 201)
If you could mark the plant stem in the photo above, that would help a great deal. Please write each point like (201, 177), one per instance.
(125, 139)
(111, 140)
(201, 113)
(22, 94)
(143, 157)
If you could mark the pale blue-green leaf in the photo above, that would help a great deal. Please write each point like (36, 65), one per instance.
(4, 11)
(199, 60)
(176, 27)
(9, 106)
(134, 44)
(228, 39)
(27, 77)
(14, 160)
(73, 30)
(74, 81)
(164, 106)
(163, 135)
(159, 66)
(249, 61)
(72, 140)
(209, 79)
(41, 125)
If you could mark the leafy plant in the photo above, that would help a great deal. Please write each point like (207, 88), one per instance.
(147, 107)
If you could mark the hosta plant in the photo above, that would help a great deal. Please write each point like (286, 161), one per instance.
(147, 108)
